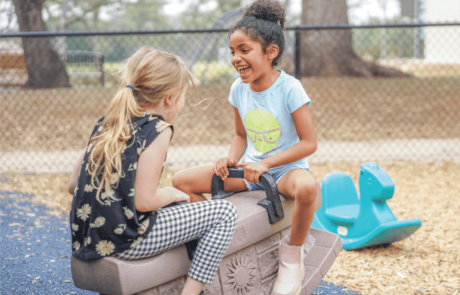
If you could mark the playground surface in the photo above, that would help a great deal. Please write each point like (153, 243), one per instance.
(35, 250)
(425, 263)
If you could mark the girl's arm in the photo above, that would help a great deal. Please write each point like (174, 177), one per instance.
(237, 148)
(147, 196)
(239, 142)
(74, 176)
(304, 148)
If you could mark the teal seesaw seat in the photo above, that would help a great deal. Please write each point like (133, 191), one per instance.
(365, 221)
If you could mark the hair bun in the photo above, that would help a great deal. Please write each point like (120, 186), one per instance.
(268, 10)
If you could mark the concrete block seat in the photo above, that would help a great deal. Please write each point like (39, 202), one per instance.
(249, 265)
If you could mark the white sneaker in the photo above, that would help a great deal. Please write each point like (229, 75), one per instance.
(291, 269)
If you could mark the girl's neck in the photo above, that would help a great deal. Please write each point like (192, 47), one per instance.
(265, 81)
(164, 112)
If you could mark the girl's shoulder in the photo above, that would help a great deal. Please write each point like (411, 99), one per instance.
(237, 84)
(290, 82)
(151, 124)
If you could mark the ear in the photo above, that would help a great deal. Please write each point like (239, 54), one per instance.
(272, 51)
(168, 102)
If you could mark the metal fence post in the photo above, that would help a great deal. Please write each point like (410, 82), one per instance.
(297, 55)
(102, 70)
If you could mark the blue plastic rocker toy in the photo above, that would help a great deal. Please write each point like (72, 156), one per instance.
(364, 221)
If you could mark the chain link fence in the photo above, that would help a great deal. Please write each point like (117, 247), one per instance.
(413, 117)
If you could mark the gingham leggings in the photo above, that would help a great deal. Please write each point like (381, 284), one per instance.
(213, 222)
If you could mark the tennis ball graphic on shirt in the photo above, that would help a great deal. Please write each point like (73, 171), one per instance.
(263, 130)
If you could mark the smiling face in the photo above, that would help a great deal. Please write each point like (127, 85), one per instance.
(248, 58)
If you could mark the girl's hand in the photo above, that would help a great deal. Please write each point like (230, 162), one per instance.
(254, 170)
(175, 194)
(220, 169)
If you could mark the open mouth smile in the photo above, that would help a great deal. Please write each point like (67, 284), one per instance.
(242, 70)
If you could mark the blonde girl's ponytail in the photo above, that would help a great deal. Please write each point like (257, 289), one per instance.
(152, 74)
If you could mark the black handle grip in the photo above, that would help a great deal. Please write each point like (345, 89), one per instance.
(272, 203)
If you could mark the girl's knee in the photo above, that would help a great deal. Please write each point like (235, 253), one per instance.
(306, 193)
(230, 210)
(181, 181)
(177, 180)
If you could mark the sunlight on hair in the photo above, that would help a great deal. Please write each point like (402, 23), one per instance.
(153, 74)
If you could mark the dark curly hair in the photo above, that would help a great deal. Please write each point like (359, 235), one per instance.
(263, 22)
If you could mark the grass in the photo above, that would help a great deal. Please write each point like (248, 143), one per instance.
(343, 109)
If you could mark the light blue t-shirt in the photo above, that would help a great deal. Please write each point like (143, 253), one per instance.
(267, 117)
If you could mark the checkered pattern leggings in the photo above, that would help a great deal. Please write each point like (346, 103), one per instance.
(213, 222)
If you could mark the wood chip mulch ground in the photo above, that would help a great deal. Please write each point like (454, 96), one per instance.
(425, 263)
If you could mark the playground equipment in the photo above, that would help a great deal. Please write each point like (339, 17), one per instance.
(249, 265)
(364, 221)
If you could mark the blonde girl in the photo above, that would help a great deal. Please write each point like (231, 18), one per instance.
(274, 133)
(117, 209)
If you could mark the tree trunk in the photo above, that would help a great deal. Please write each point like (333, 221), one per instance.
(44, 67)
(328, 53)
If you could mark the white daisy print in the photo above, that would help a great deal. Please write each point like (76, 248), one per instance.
(136, 242)
(161, 125)
(114, 178)
(76, 245)
(141, 148)
(120, 229)
(87, 241)
(75, 227)
(88, 188)
(129, 214)
(132, 166)
(141, 230)
(100, 221)
(84, 212)
(105, 248)
(90, 146)
(107, 195)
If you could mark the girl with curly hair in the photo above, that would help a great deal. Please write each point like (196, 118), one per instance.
(274, 133)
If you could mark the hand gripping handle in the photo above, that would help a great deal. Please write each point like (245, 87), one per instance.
(272, 203)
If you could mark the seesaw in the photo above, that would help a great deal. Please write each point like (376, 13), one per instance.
(365, 221)
(249, 265)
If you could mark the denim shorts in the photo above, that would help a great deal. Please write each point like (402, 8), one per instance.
(276, 173)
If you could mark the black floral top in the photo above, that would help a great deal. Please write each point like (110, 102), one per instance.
(113, 225)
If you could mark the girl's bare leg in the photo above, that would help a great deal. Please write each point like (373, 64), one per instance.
(197, 181)
(192, 287)
(301, 186)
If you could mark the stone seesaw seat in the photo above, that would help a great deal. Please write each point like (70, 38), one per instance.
(249, 266)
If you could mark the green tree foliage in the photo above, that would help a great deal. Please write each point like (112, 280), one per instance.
(194, 17)
(140, 15)
(85, 15)
(76, 14)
